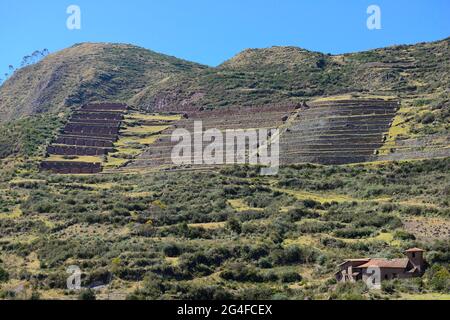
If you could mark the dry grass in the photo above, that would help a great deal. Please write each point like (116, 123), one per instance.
(209, 225)
(352, 97)
(425, 296)
(14, 214)
(135, 195)
(240, 205)
(162, 117)
(75, 158)
(114, 162)
(322, 197)
(127, 140)
(306, 240)
(428, 228)
(144, 130)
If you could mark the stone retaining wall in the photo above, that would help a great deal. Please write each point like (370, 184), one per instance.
(78, 141)
(64, 150)
(71, 167)
(91, 131)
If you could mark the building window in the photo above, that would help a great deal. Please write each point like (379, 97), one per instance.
(413, 254)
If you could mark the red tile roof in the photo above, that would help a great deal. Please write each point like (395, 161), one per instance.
(362, 260)
(385, 263)
(415, 250)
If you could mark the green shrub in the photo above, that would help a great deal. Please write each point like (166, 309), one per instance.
(234, 225)
(354, 233)
(428, 118)
(388, 287)
(293, 255)
(439, 278)
(87, 294)
(332, 243)
(243, 273)
(291, 276)
(298, 214)
(205, 293)
(350, 291)
(4, 276)
(172, 250)
(403, 235)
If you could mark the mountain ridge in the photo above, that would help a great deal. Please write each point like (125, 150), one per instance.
(256, 76)
(277, 76)
(106, 71)
(84, 72)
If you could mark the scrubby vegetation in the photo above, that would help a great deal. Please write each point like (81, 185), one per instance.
(26, 137)
(220, 234)
(229, 233)
(291, 75)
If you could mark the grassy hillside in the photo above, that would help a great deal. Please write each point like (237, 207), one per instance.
(223, 233)
(417, 75)
(94, 71)
(29, 136)
(227, 234)
(289, 74)
(84, 73)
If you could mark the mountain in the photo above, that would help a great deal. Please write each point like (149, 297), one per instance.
(289, 75)
(145, 229)
(151, 81)
(86, 72)
(416, 75)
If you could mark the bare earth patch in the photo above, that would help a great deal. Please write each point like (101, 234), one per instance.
(427, 229)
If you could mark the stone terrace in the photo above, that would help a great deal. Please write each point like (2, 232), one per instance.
(91, 131)
(338, 132)
(71, 167)
(325, 132)
(270, 117)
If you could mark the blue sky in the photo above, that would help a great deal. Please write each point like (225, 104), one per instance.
(211, 31)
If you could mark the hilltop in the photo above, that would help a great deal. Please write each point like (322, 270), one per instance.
(48, 91)
(150, 81)
(289, 75)
(86, 72)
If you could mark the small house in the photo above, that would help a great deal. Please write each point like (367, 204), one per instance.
(412, 265)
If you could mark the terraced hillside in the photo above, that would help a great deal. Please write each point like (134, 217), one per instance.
(335, 130)
(324, 131)
(421, 129)
(338, 131)
(254, 80)
(102, 135)
(268, 117)
(144, 229)
(139, 132)
(85, 73)
(89, 134)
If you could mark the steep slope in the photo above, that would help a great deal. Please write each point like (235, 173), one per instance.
(84, 73)
(416, 75)
(277, 77)
(289, 75)
(282, 75)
